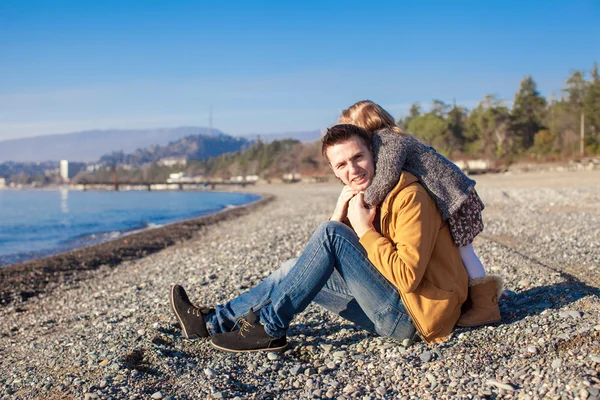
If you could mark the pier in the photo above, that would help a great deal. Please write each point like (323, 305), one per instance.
(162, 185)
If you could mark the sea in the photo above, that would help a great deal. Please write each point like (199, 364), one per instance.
(39, 223)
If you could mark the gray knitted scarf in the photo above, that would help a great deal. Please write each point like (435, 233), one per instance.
(392, 153)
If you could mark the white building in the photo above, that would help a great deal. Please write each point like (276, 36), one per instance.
(172, 162)
(64, 170)
(2, 183)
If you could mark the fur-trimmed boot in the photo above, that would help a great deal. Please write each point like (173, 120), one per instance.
(481, 307)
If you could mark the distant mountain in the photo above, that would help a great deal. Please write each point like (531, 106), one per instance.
(91, 145)
(193, 147)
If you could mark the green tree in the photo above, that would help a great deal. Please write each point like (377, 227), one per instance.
(527, 113)
(439, 108)
(576, 88)
(487, 129)
(543, 142)
(457, 124)
(591, 108)
(413, 112)
(433, 130)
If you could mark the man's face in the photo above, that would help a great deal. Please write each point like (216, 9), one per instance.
(352, 162)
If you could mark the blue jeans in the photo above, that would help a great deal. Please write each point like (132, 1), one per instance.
(334, 272)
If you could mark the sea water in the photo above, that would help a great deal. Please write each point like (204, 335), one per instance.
(38, 223)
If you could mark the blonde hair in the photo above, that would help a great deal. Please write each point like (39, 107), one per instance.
(369, 116)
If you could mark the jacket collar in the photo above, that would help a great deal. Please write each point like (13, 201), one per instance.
(406, 178)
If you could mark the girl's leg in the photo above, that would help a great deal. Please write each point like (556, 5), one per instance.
(472, 263)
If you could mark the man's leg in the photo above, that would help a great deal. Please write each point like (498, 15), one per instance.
(225, 316)
(332, 247)
(359, 293)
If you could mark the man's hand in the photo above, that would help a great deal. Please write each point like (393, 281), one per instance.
(341, 208)
(359, 215)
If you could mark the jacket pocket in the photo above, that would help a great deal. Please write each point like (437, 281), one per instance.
(431, 305)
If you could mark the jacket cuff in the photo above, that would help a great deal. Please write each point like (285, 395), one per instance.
(369, 238)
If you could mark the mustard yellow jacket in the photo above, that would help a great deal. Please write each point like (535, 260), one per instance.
(415, 252)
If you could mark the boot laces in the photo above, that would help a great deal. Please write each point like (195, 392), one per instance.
(195, 311)
(245, 328)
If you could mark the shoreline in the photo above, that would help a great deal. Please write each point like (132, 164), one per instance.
(23, 280)
(68, 244)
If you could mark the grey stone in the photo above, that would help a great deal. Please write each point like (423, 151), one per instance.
(381, 390)
(500, 385)
(570, 313)
(296, 370)
(157, 395)
(209, 372)
(425, 356)
(431, 379)
(339, 354)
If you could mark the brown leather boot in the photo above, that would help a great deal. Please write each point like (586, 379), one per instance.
(481, 307)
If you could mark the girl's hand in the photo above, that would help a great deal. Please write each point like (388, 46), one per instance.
(341, 208)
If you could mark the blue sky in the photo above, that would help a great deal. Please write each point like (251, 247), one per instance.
(273, 66)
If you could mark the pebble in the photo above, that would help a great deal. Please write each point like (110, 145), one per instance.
(209, 372)
(339, 354)
(157, 395)
(557, 363)
(295, 370)
(431, 379)
(500, 385)
(327, 347)
(273, 356)
(381, 390)
(532, 349)
(425, 356)
(570, 313)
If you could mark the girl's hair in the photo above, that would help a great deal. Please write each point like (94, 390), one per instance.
(369, 116)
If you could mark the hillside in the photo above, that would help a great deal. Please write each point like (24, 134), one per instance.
(193, 147)
(267, 160)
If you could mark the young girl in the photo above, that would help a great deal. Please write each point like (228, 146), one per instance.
(452, 190)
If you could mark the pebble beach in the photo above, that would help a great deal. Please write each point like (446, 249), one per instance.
(108, 332)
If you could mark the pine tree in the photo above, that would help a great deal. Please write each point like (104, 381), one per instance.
(487, 129)
(527, 113)
(591, 108)
(414, 112)
(457, 124)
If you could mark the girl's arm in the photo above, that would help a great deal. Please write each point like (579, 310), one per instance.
(389, 155)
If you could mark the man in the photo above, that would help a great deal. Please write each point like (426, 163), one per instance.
(388, 273)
